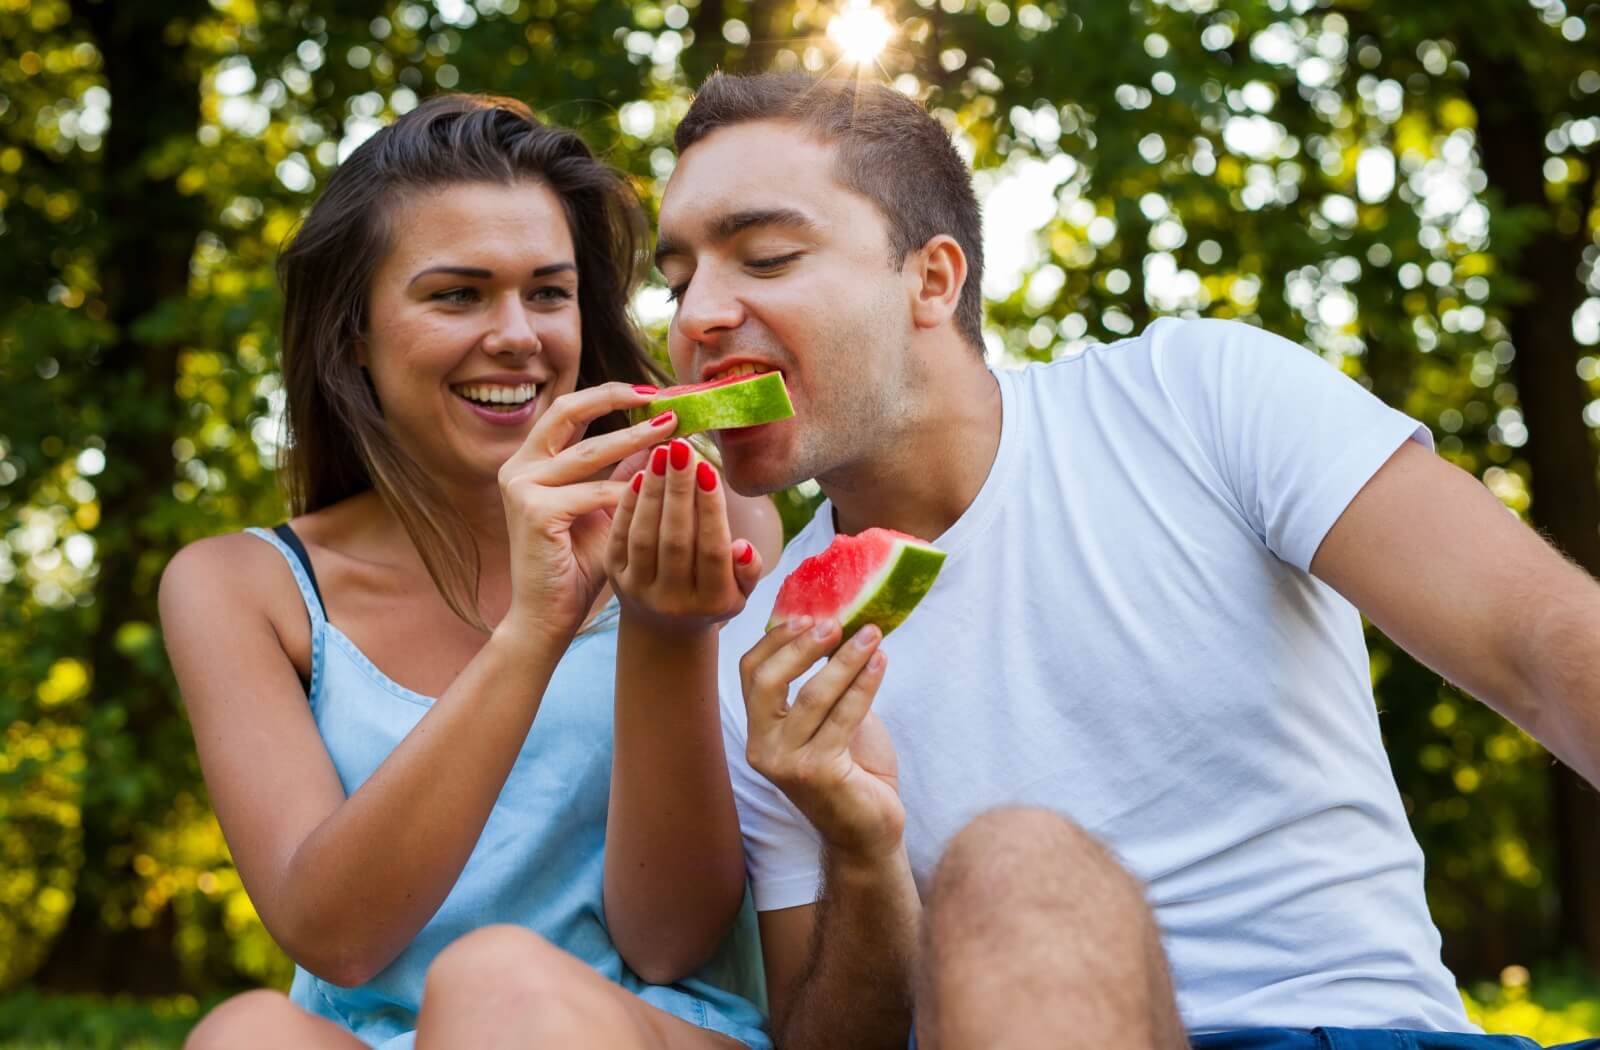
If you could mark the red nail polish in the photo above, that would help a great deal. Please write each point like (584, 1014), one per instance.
(662, 420)
(658, 461)
(748, 553)
(638, 481)
(706, 476)
(680, 454)
(643, 389)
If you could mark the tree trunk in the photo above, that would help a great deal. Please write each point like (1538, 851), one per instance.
(1560, 453)
(151, 230)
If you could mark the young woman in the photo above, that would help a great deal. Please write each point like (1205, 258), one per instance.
(419, 708)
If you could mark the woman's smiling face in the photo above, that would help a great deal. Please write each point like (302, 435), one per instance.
(472, 323)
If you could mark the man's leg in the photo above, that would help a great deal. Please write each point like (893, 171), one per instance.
(1034, 936)
(506, 988)
(265, 1020)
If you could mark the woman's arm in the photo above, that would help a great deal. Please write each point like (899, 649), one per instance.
(674, 874)
(343, 885)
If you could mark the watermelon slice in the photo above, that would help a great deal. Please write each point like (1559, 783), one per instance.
(877, 576)
(736, 401)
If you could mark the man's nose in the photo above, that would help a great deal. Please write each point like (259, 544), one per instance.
(707, 310)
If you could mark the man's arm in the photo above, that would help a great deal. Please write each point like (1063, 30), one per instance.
(1440, 566)
(845, 962)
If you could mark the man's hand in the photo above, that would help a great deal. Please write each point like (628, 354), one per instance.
(827, 752)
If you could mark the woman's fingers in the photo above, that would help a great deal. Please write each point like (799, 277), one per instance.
(675, 553)
(621, 522)
(591, 456)
(644, 530)
(746, 566)
(569, 415)
(711, 560)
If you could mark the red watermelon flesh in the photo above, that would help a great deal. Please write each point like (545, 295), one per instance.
(877, 576)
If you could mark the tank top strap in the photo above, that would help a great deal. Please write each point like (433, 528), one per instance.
(294, 552)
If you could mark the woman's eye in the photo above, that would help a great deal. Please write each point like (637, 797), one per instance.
(675, 291)
(457, 296)
(551, 294)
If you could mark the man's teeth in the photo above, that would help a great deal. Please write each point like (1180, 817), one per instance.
(498, 395)
(745, 369)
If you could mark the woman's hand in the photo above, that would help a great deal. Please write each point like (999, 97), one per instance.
(670, 557)
(558, 514)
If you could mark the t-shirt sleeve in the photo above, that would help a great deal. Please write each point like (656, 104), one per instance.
(781, 849)
(1291, 437)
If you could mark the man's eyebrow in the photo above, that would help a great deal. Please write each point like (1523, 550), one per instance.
(736, 222)
(482, 274)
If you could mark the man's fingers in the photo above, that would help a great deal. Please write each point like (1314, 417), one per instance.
(842, 721)
(766, 693)
(823, 692)
(771, 678)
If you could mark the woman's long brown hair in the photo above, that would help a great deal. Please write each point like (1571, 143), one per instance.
(338, 445)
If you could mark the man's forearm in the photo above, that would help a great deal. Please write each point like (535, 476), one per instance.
(863, 954)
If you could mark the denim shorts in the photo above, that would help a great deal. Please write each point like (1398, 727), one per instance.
(1368, 1039)
(1361, 1039)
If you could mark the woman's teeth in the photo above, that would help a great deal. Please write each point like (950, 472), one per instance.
(508, 396)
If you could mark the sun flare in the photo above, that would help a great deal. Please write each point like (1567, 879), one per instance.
(861, 31)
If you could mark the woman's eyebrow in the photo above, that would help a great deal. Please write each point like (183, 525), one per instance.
(482, 274)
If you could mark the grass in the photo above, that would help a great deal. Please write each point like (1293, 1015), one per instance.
(1564, 1007)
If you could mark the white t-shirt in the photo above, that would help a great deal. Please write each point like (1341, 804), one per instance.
(1126, 631)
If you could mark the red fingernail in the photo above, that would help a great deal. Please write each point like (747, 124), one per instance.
(658, 461)
(638, 481)
(748, 553)
(643, 389)
(706, 476)
(680, 454)
(663, 419)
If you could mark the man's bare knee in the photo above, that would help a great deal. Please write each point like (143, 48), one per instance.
(1025, 851)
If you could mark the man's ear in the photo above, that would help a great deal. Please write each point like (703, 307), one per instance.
(937, 272)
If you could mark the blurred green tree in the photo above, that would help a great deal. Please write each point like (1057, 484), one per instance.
(1408, 191)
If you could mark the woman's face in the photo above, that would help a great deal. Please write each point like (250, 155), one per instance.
(473, 325)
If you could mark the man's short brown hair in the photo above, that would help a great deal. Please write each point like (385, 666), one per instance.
(891, 151)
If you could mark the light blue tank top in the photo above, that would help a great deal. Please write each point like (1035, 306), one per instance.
(538, 863)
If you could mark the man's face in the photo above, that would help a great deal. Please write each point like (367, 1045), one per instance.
(774, 264)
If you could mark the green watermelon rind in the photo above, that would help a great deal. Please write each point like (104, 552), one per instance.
(886, 600)
(763, 399)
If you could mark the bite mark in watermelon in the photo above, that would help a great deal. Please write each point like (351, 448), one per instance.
(877, 576)
(735, 401)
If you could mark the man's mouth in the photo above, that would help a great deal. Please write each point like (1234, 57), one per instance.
(496, 397)
(743, 368)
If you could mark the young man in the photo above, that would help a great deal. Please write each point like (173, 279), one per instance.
(1145, 642)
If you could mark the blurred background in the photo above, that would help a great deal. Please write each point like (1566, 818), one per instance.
(1407, 189)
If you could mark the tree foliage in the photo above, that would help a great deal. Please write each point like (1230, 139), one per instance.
(1409, 190)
